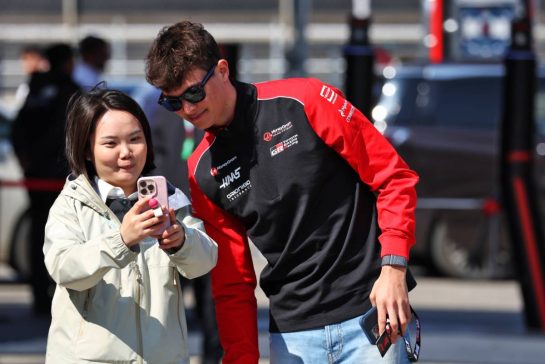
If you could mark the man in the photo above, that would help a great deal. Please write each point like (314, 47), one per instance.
(32, 60)
(38, 141)
(296, 168)
(94, 54)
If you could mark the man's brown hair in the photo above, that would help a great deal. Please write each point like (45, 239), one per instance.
(176, 50)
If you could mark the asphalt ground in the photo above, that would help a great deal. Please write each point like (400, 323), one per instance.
(463, 321)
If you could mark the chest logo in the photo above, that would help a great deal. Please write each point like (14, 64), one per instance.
(284, 144)
(215, 170)
(230, 178)
(268, 135)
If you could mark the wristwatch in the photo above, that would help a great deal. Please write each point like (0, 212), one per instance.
(396, 260)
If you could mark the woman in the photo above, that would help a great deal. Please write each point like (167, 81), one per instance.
(118, 297)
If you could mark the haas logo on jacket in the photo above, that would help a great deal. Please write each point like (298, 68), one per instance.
(231, 177)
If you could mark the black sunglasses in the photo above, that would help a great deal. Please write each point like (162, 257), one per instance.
(193, 94)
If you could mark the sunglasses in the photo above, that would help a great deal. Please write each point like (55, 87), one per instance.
(193, 94)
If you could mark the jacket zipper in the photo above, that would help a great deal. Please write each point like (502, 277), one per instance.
(179, 296)
(137, 303)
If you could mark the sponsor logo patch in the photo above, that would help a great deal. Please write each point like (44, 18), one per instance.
(327, 93)
(283, 145)
(342, 111)
(230, 178)
(215, 170)
(239, 191)
(267, 136)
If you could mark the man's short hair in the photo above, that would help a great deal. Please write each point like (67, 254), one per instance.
(91, 44)
(178, 49)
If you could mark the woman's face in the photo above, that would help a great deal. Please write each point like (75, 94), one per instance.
(119, 149)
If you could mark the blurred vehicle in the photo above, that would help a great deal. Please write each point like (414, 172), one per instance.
(444, 120)
(14, 218)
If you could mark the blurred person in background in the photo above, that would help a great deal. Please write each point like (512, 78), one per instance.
(94, 53)
(175, 141)
(32, 60)
(293, 166)
(38, 142)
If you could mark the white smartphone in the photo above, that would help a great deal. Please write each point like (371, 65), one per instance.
(156, 187)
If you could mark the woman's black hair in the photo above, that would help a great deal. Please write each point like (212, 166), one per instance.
(85, 109)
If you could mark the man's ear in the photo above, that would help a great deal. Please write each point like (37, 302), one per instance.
(223, 68)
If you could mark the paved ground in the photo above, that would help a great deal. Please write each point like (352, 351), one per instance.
(471, 322)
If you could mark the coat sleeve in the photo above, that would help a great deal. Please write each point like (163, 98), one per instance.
(71, 260)
(233, 281)
(199, 253)
(346, 130)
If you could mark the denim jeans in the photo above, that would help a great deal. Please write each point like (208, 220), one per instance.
(343, 342)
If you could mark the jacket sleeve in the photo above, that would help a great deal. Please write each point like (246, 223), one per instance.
(199, 253)
(346, 130)
(71, 260)
(233, 281)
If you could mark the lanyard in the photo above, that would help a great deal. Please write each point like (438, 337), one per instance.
(413, 354)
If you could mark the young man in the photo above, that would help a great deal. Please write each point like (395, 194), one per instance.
(296, 168)
(94, 55)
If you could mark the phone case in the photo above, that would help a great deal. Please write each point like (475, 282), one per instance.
(156, 187)
(369, 324)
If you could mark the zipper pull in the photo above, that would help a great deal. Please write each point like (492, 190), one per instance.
(137, 271)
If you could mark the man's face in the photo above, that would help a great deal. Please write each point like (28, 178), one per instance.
(33, 62)
(210, 111)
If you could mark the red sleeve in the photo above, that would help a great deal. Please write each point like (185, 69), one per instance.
(233, 279)
(345, 129)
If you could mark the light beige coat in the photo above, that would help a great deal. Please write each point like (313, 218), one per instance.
(114, 304)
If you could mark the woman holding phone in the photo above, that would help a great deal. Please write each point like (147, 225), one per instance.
(118, 297)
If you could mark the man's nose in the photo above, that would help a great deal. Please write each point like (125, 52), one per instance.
(188, 107)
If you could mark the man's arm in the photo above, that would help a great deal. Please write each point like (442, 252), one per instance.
(233, 281)
(346, 130)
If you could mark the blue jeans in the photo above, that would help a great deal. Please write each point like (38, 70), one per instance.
(343, 342)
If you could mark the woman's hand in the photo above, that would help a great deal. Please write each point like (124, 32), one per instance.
(173, 237)
(140, 222)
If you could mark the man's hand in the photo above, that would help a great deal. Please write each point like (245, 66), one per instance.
(391, 297)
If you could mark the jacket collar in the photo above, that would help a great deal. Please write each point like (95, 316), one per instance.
(245, 112)
(106, 190)
(81, 189)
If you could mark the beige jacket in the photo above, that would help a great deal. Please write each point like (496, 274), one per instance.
(113, 304)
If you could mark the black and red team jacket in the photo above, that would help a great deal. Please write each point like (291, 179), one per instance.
(313, 184)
